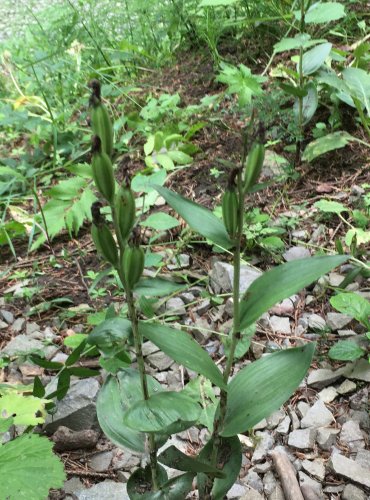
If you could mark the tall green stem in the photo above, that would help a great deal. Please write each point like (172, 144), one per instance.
(301, 83)
(235, 335)
(138, 344)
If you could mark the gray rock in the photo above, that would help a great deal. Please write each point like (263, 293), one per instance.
(362, 417)
(302, 408)
(352, 436)
(363, 458)
(351, 492)
(100, 462)
(124, 459)
(72, 485)
(187, 297)
(294, 419)
(328, 394)
(283, 427)
(265, 442)
(31, 328)
(252, 494)
(323, 377)
(261, 425)
(22, 345)
(285, 308)
(7, 316)
(77, 409)
(316, 322)
(269, 483)
(349, 469)
(107, 490)
(175, 306)
(262, 468)
(202, 331)
(346, 333)
(337, 321)
(360, 400)
(253, 480)
(277, 494)
(222, 275)
(274, 419)
(149, 348)
(335, 279)
(309, 483)
(317, 416)
(203, 307)
(295, 253)
(280, 324)
(360, 371)
(302, 438)
(300, 235)
(3, 325)
(346, 386)
(326, 437)
(315, 468)
(235, 492)
(160, 360)
(179, 262)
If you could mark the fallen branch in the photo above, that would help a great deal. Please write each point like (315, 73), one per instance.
(287, 475)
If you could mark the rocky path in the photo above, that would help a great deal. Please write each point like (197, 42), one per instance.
(323, 430)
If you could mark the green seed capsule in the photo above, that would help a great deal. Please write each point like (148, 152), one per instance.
(254, 165)
(132, 265)
(230, 208)
(102, 171)
(100, 120)
(104, 242)
(125, 211)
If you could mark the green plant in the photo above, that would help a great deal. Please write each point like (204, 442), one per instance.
(133, 408)
(28, 465)
(354, 305)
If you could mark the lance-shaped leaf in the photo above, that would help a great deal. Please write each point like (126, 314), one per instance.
(162, 412)
(115, 398)
(282, 282)
(176, 459)
(229, 460)
(179, 346)
(199, 218)
(263, 386)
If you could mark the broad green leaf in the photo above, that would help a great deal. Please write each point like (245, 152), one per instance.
(164, 161)
(110, 331)
(180, 158)
(176, 459)
(25, 410)
(38, 388)
(310, 103)
(353, 305)
(29, 468)
(330, 206)
(296, 91)
(323, 145)
(358, 82)
(199, 218)
(362, 237)
(230, 456)
(64, 381)
(76, 354)
(115, 398)
(322, 13)
(161, 411)
(346, 350)
(315, 58)
(179, 346)
(217, 3)
(263, 386)
(144, 183)
(160, 221)
(300, 40)
(157, 287)
(75, 340)
(282, 282)
(241, 82)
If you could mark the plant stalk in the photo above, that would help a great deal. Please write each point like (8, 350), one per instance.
(301, 83)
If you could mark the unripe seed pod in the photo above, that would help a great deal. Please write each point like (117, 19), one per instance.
(230, 209)
(105, 243)
(254, 165)
(102, 171)
(132, 265)
(100, 120)
(125, 210)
